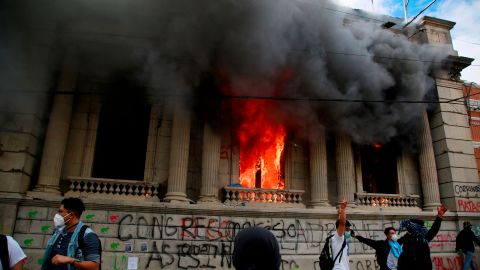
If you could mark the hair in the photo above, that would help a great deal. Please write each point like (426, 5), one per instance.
(388, 229)
(347, 223)
(467, 224)
(256, 248)
(74, 205)
(418, 221)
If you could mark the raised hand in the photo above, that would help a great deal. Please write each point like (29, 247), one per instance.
(441, 211)
(341, 206)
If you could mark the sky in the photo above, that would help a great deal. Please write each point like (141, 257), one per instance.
(465, 34)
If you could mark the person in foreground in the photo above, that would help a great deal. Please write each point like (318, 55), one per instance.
(416, 252)
(256, 248)
(12, 256)
(340, 239)
(387, 251)
(73, 244)
(464, 241)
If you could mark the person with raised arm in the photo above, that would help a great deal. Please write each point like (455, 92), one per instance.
(340, 239)
(416, 251)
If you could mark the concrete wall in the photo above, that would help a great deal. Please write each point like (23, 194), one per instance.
(166, 237)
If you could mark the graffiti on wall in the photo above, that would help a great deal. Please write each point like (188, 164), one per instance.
(468, 205)
(467, 190)
(169, 241)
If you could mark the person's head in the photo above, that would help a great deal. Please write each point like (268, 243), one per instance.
(415, 228)
(256, 248)
(70, 211)
(347, 227)
(390, 233)
(467, 225)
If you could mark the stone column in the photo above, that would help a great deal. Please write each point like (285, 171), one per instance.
(210, 165)
(179, 152)
(289, 162)
(235, 165)
(91, 139)
(428, 169)
(163, 147)
(318, 171)
(345, 169)
(149, 172)
(358, 173)
(402, 173)
(58, 129)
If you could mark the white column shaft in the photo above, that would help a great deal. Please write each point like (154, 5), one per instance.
(318, 171)
(179, 153)
(428, 169)
(210, 164)
(345, 169)
(58, 129)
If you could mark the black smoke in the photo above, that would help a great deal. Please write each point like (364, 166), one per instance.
(335, 57)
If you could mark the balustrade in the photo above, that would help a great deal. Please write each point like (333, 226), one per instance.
(112, 188)
(387, 200)
(259, 197)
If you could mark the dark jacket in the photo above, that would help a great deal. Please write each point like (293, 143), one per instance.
(382, 249)
(465, 240)
(416, 254)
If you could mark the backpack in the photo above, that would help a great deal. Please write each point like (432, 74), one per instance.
(4, 255)
(326, 261)
(81, 243)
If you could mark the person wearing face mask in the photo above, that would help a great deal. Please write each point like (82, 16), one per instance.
(73, 245)
(340, 239)
(387, 251)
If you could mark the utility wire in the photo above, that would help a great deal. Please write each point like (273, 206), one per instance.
(452, 101)
(465, 41)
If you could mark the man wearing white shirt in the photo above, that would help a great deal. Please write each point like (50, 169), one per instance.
(14, 256)
(339, 241)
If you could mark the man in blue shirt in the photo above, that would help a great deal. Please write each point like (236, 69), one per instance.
(73, 244)
(387, 251)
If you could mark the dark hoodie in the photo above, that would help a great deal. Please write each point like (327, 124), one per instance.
(416, 252)
(256, 249)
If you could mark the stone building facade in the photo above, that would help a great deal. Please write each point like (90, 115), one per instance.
(180, 208)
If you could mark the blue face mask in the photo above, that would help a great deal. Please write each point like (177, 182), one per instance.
(347, 234)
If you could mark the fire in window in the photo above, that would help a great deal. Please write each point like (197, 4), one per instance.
(261, 143)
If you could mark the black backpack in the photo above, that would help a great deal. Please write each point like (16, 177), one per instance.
(326, 261)
(4, 255)
(81, 243)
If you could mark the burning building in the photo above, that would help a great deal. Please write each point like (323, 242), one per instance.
(179, 124)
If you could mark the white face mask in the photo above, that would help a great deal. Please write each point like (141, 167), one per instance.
(395, 237)
(59, 221)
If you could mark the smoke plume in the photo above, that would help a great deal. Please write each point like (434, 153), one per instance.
(311, 54)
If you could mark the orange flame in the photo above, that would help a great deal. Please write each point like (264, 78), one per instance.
(260, 136)
(261, 143)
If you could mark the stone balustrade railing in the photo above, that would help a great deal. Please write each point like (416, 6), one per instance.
(111, 189)
(260, 197)
(387, 200)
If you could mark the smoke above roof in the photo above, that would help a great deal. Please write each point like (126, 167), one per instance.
(330, 57)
